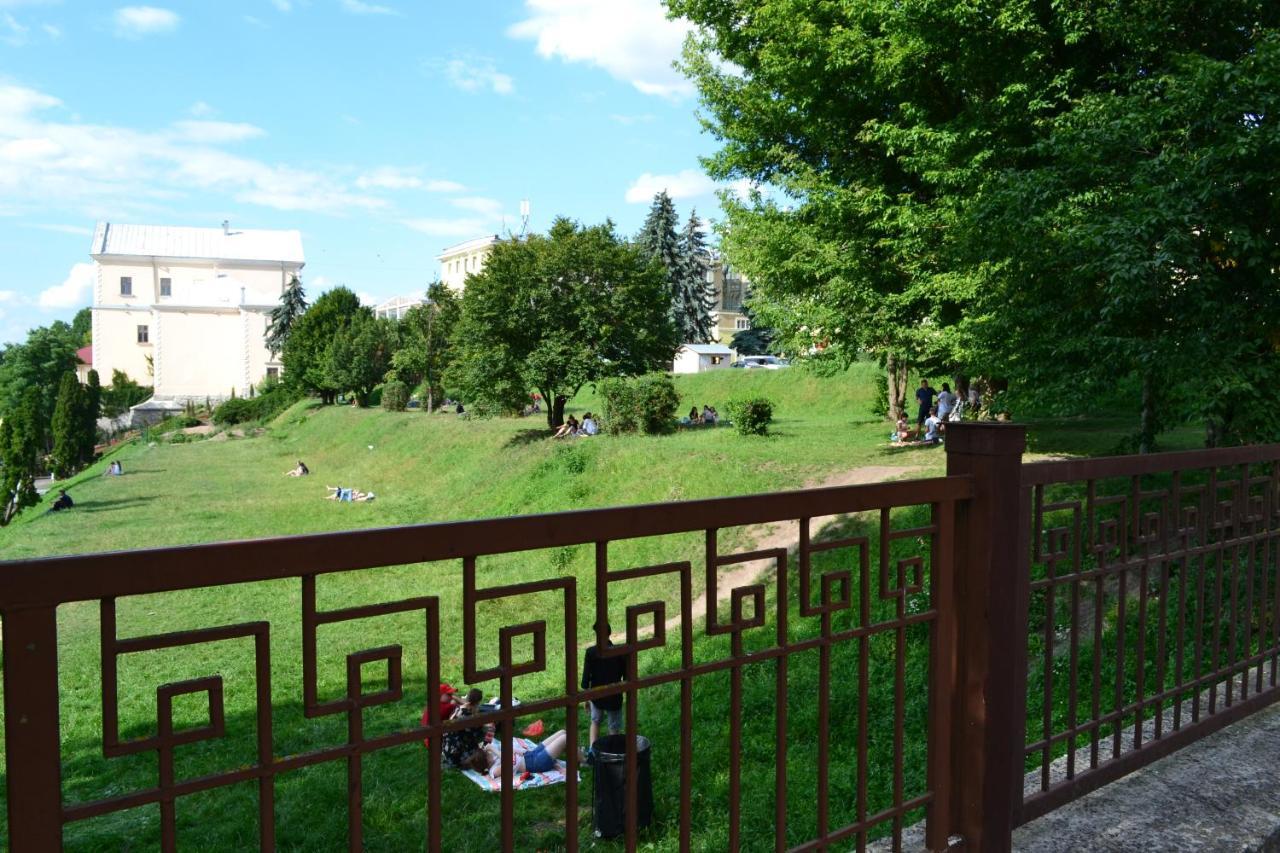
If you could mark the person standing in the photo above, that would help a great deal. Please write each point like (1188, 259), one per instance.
(946, 401)
(924, 396)
(598, 671)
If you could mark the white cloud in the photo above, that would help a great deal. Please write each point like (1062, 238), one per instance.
(282, 5)
(359, 7)
(119, 170)
(393, 178)
(450, 227)
(633, 40)
(52, 31)
(475, 74)
(367, 298)
(490, 207)
(8, 296)
(201, 109)
(12, 33)
(138, 21)
(214, 132)
(74, 290)
(13, 4)
(687, 183)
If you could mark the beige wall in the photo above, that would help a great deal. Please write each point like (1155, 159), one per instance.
(202, 284)
(116, 347)
(459, 262)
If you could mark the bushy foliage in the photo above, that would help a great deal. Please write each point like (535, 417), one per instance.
(306, 352)
(751, 416)
(68, 427)
(21, 446)
(645, 404)
(237, 410)
(122, 394)
(271, 401)
(395, 396)
(424, 343)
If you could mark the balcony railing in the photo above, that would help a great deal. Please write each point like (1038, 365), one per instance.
(873, 665)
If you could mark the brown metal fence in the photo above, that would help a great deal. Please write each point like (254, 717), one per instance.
(1110, 610)
(1154, 608)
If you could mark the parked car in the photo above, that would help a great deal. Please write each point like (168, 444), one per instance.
(766, 362)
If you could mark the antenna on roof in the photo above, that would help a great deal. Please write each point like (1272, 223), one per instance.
(524, 216)
(226, 227)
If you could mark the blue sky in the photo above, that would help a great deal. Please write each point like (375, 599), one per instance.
(384, 130)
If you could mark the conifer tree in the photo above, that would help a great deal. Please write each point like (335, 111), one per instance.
(89, 417)
(293, 302)
(697, 295)
(21, 442)
(659, 242)
(68, 423)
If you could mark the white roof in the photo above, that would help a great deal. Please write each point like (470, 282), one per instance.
(708, 349)
(469, 245)
(169, 241)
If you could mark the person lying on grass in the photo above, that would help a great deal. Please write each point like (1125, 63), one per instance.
(541, 759)
(346, 495)
(301, 471)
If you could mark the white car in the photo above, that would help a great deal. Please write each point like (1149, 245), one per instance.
(768, 362)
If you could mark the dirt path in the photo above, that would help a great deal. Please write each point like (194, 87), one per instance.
(761, 537)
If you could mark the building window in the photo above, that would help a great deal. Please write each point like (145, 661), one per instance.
(144, 335)
(742, 323)
(166, 287)
(715, 359)
(273, 373)
(126, 285)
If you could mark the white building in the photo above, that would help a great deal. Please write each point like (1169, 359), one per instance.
(464, 259)
(397, 306)
(700, 358)
(186, 309)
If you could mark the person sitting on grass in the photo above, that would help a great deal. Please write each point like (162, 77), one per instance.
(708, 415)
(301, 471)
(589, 426)
(541, 759)
(63, 502)
(904, 433)
(114, 469)
(933, 427)
(459, 744)
(568, 428)
(694, 417)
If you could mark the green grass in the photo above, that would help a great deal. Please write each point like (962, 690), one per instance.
(440, 468)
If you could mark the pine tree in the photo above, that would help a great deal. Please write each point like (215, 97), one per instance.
(68, 421)
(293, 302)
(659, 242)
(89, 418)
(21, 442)
(697, 295)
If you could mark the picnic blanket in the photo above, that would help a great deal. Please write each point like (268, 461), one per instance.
(533, 780)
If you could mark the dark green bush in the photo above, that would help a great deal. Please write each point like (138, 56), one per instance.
(237, 410)
(641, 404)
(751, 416)
(395, 396)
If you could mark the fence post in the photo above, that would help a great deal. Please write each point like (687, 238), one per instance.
(991, 599)
(33, 756)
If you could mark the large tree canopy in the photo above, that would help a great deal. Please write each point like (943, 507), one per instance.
(424, 342)
(305, 358)
(556, 312)
(1052, 192)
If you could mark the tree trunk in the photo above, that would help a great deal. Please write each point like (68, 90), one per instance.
(555, 411)
(897, 370)
(430, 397)
(1147, 425)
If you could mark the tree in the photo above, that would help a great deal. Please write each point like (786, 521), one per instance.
(89, 418)
(554, 313)
(697, 295)
(661, 245)
(360, 355)
(304, 356)
(68, 420)
(293, 304)
(21, 446)
(1033, 193)
(122, 394)
(82, 327)
(424, 342)
(756, 339)
(37, 364)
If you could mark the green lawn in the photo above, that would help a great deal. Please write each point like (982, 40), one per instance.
(438, 468)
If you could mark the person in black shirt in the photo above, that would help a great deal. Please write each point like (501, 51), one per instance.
(63, 502)
(598, 671)
(924, 396)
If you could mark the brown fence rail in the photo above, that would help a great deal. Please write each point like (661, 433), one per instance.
(877, 655)
(1155, 609)
(881, 580)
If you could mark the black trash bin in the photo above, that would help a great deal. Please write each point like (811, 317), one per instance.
(610, 800)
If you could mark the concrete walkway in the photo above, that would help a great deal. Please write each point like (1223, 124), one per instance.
(1221, 793)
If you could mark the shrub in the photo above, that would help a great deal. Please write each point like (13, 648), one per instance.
(751, 416)
(642, 404)
(395, 396)
(237, 410)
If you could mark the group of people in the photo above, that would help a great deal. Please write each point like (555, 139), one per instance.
(115, 469)
(931, 417)
(573, 427)
(707, 417)
(473, 747)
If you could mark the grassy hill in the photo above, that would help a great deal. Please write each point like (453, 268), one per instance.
(435, 468)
